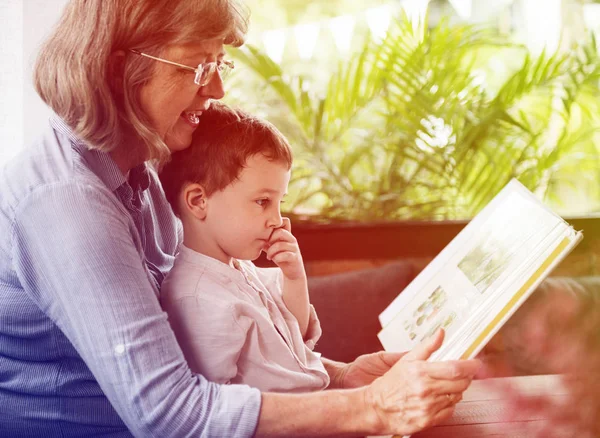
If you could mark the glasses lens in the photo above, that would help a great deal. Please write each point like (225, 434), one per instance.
(207, 71)
(224, 69)
(199, 75)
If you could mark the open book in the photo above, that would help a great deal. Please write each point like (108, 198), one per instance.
(481, 278)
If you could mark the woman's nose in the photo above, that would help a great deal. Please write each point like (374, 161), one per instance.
(214, 89)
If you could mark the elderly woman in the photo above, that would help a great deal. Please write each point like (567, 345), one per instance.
(87, 238)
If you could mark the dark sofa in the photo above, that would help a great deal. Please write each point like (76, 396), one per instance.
(348, 305)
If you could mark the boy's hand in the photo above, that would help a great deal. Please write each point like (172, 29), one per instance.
(283, 250)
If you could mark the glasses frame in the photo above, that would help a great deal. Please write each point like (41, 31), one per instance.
(198, 71)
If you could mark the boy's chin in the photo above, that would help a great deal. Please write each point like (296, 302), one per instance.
(251, 256)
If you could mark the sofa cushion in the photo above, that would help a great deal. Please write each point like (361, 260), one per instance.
(349, 304)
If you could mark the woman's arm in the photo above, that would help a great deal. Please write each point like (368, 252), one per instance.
(324, 413)
(413, 395)
(85, 269)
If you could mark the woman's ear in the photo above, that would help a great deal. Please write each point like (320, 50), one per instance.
(195, 201)
(116, 68)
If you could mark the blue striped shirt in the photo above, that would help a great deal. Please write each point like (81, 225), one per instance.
(85, 348)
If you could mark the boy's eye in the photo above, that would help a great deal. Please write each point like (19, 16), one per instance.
(263, 202)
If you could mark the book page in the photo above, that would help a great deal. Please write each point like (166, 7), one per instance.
(443, 303)
(478, 272)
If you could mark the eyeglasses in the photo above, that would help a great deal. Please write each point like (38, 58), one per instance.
(204, 72)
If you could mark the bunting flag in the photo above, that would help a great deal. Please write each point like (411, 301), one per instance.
(415, 9)
(481, 15)
(306, 35)
(464, 8)
(591, 15)
(341, 28)
(378, 20)
(306, 39)
(274, 43)
(543, 20)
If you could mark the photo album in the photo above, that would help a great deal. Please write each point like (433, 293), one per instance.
(481, 278)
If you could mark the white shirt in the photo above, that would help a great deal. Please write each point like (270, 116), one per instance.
(233, 325)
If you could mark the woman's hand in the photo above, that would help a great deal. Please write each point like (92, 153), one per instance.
(365, 369)
(416, 394)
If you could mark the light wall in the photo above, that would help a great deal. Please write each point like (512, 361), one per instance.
(23, 116)
(11, 78)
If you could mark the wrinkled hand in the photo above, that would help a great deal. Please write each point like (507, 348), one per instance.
(416, 394)
(366, 368)
(282, 249)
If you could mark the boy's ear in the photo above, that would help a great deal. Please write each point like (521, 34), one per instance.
(195, 201)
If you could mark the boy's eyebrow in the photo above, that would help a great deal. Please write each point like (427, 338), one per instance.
(267, 190)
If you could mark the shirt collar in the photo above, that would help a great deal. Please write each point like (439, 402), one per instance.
(211, 264)
(101, 163)
(139, 177)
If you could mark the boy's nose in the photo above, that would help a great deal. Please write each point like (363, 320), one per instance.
(275, 221)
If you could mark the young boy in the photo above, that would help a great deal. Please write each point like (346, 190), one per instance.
(235, 322)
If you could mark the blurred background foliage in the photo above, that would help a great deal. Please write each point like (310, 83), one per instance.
(430, 120)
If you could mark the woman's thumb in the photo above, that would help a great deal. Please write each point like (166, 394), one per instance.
(427, 346)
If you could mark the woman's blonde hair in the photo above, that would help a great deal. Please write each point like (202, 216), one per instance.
(74, 73)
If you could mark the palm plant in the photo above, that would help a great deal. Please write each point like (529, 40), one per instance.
(413, 126)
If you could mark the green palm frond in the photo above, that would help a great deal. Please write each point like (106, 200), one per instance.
(411, 127)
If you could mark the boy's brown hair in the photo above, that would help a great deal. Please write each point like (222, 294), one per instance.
(221, 145)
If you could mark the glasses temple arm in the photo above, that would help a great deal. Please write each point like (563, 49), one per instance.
(176, 64)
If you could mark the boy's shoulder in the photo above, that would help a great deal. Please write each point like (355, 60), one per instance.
(194, 273)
